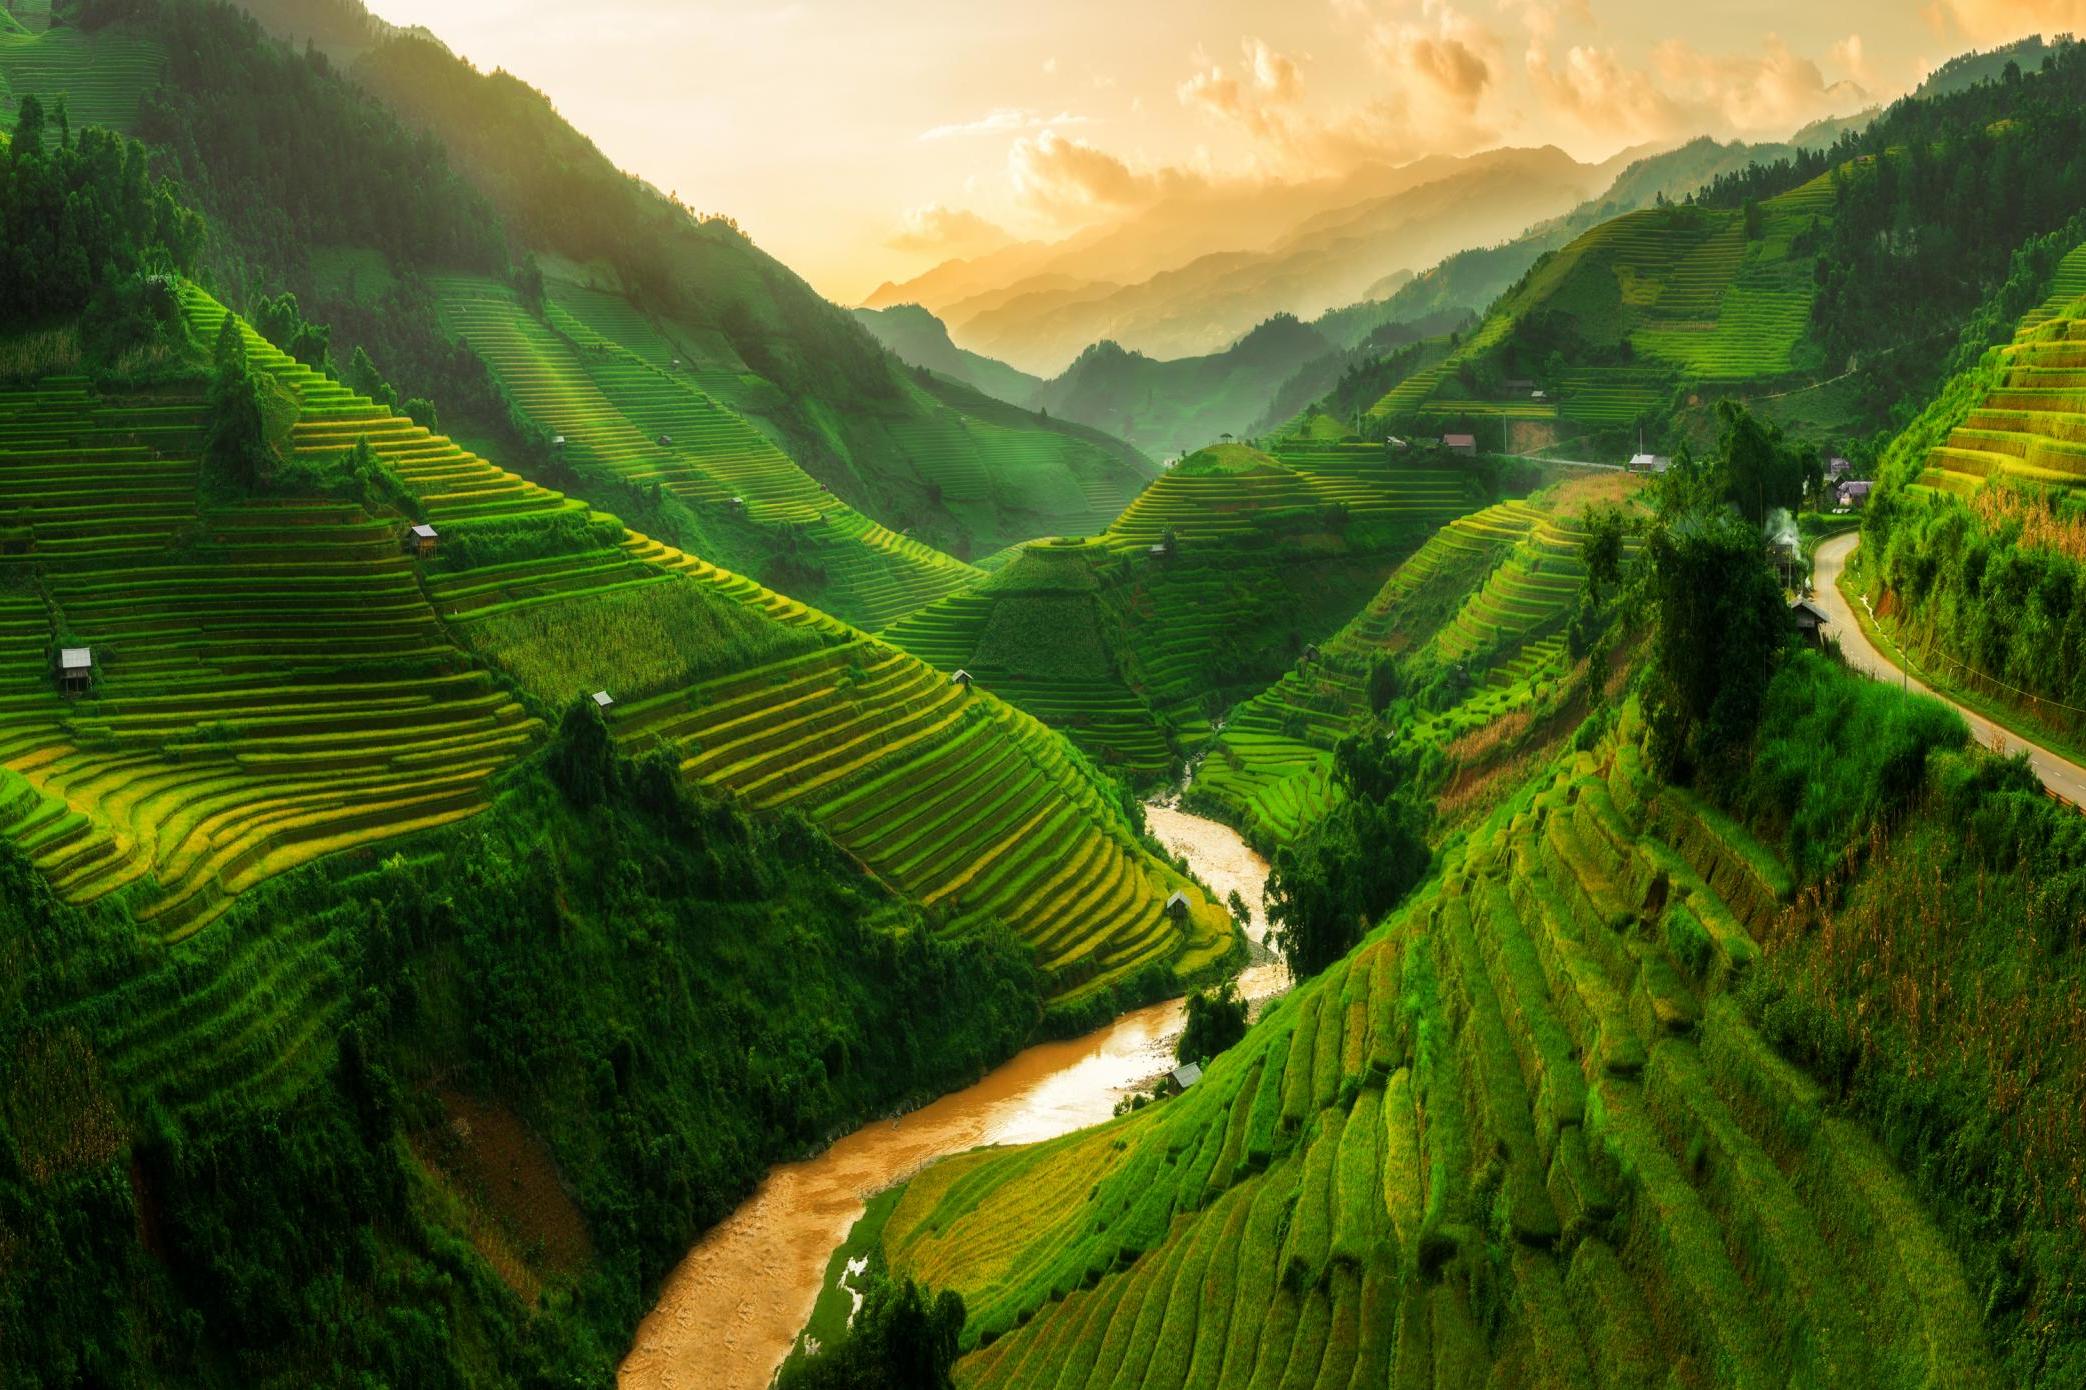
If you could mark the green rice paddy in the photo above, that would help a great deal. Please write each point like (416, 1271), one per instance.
(1521, 1136)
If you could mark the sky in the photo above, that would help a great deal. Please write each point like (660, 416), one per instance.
(866, 142)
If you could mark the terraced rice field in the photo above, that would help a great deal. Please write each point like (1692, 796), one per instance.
(631, 416)
(1270, 771)
(101, 75)
(1695, 300)
(1038, 634)
(874, 744)
(1354, 476)
(1525, 598)
(951, 795)
(274, 687)
(277, 679)
(2030, 426)
(1524, 1135)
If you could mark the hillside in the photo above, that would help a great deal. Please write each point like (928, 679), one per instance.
(507, 177)
(1208, 586)
(1612, 326)
(1485, 600)
(920, 339)
(1548, 1125)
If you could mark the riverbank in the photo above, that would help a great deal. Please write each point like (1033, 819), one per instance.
(730, 1311)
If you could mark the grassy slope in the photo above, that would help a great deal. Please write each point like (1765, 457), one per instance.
(294, 687)
(848, 411)
(1682, 293)
(1171, 408)
(589, 371)
(1512, 1135)
(1131, 652)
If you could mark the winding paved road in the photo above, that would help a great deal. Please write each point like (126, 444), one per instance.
(2064, 778)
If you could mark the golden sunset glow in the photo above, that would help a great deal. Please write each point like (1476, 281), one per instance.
(868, 143)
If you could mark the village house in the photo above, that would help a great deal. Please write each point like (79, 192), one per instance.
(1460, 443)
(1809, 619)
(75, 669)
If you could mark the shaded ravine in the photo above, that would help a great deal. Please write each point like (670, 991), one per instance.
(728, 1313)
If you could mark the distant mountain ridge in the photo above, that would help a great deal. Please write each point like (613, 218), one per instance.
(1238, 260)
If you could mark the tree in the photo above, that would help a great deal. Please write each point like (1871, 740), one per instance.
(1216, 1020)
(237, 443)
(1721, 629)
(1383, 683)
(900, 1339)
(1356, 863)
(1756, 470)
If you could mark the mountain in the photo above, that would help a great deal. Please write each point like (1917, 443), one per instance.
(1175, 407)
(405, 832)
(920, 339)
(1215, 580)
(1771, 285)
(1199, 270)
(516, 187)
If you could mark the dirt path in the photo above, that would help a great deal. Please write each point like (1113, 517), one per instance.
(2062, 776)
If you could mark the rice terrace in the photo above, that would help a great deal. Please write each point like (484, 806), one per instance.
(1374, 696)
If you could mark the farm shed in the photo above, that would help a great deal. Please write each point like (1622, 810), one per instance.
(421, 540)
(603, 700)
(1177, 906)
(1649, 463)
(75, 669)
(1809, 619)
(962, 678)
(1460, 443)
(1182, 1077)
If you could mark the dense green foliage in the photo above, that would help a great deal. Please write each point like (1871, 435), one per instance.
(1721, 630)
(1216, 1018)
(902, 1338)
(83, 214)
(1932, 983)
(597, 955)
(1354, 865)
(343, 171)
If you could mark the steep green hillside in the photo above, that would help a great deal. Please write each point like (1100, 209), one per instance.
(848, 411)
(1172, 408)
(102, 77)
(1610, 327)
(644, 423)
(1974, 543)
(1583, 1113)
(922, 340)
(276, 680)
(351, 176)
(1478, 614)
(1210, 584)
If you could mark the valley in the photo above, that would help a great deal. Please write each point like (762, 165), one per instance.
(1368, 728)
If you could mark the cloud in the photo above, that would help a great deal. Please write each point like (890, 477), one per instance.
(1070, 180)
(1996, 21)
(1687, 92)
(1002, 120)
(1254, 93)
(936, 230)
(1849, 57)
(1447, 59)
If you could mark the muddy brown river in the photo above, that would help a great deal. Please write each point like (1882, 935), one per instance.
(729, 1312)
